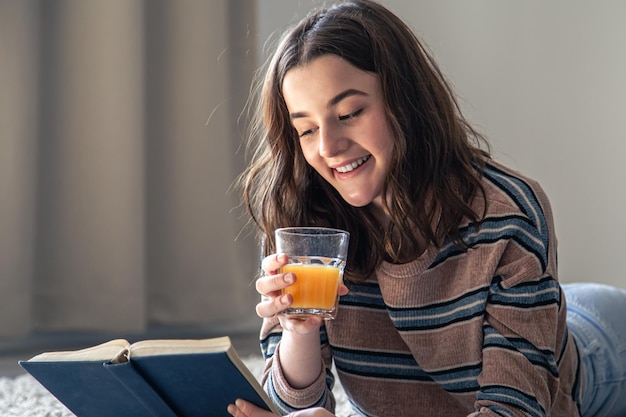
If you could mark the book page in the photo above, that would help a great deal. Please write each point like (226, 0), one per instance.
(179, 346)
(103, 352)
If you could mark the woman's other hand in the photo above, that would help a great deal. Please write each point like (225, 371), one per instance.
(243, 408)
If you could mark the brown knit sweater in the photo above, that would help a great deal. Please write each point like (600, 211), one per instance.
(476, 333)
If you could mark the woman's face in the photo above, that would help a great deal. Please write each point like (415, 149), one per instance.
(337, 110)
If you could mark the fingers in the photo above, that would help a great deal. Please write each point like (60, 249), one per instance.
(343, 290)
(234, 411)
(272, 301)
(243, 408)
(271, 264)
(271, 285)
(270, 306)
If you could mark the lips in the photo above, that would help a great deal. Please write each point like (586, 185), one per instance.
(353, 165)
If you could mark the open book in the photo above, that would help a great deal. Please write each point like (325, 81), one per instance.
(169, 378)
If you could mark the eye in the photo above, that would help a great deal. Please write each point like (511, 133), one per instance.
(307, 132)
(351, 115)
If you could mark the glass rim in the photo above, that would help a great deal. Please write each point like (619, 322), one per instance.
(301, 230)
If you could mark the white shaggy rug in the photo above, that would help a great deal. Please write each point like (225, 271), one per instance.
(23, 396)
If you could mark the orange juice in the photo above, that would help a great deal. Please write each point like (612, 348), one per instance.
(315, 287)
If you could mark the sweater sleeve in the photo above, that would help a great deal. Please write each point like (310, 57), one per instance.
(285, 397)
(524, 327)
(520, 375)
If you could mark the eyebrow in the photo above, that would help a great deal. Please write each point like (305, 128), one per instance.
(333, 101)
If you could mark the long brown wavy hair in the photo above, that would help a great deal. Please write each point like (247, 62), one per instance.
(437, 159)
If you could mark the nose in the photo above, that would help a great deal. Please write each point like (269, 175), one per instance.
(331, 141)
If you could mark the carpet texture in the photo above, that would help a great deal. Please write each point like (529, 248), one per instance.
(23, 396)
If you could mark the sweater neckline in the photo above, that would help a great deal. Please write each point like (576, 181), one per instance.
(410, 269)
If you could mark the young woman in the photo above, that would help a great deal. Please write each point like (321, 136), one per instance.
(451, 304)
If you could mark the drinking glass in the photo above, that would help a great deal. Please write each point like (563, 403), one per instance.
(317, 257)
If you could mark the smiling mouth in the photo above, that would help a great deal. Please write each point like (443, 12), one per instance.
(354, 165)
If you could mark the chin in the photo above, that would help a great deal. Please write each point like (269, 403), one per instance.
(356, 202)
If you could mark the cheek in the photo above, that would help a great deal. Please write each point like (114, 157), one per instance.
(381, 135)
(387, 144)
(309, 151)
(315, 161)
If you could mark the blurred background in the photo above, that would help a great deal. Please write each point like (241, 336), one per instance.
(121, 133)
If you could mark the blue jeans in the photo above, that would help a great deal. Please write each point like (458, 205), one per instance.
(596, 316)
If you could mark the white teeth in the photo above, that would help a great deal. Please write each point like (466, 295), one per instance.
(350, 167)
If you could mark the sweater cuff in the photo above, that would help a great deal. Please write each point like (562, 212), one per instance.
(313, 395)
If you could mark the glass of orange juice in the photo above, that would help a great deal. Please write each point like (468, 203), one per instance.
(317, 257)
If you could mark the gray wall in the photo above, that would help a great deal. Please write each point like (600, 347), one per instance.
(546, 82)
(118, 149)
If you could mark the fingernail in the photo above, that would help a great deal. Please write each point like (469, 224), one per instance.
(284, 299)
(289, 278)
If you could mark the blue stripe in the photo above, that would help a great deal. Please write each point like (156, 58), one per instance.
(564, 345)
(543, 358)
(387, 365)
(363, 295)
(268, 344)
(524, 197)
(285, 408)
(402, 366)
(459, 380)
(545, 291)
(513, 397)
(494, 229)
(528, 229)
(576, 386)
(463, 308)
(521, 193)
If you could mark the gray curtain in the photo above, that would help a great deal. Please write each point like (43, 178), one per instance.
(120, 137)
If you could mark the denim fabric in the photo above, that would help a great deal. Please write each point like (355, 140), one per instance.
(597, 319)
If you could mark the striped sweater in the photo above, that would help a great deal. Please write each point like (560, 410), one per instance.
(476, 333)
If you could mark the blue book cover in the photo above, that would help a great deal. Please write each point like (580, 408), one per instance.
(86, 389)
(168, 378)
